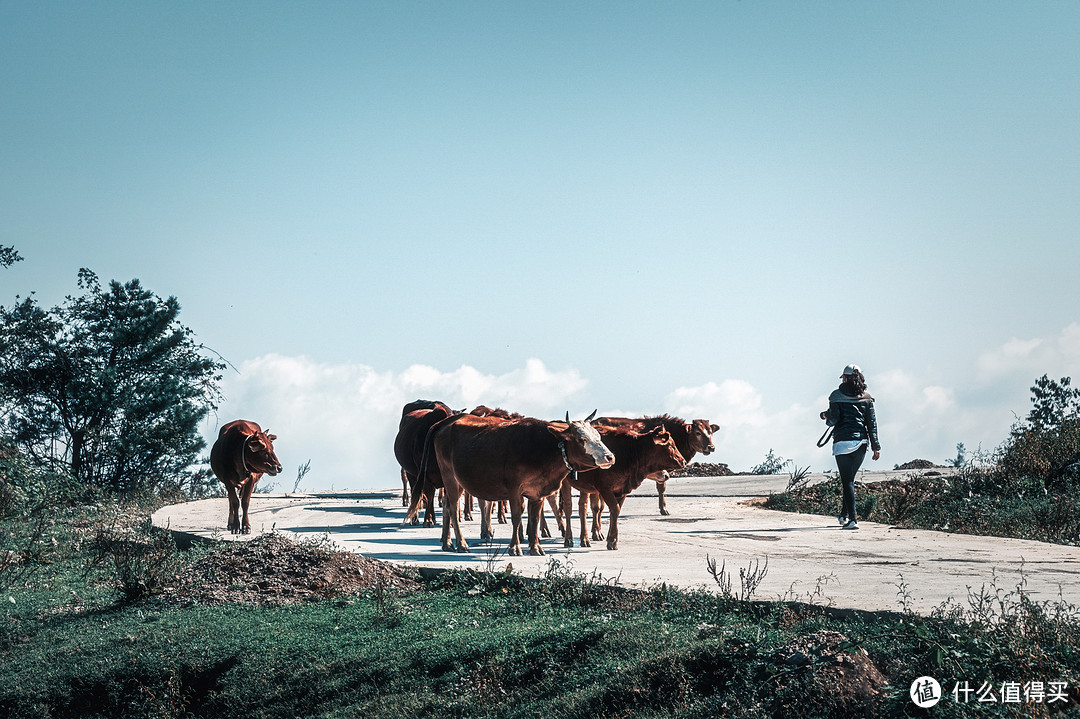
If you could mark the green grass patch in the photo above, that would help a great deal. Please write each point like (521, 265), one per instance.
(974, 501)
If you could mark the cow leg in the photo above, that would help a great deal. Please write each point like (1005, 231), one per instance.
(466, 499)
(515, 522)
(450, 518)
(234, 508)
(486, 535)
(536, 507)
(583, 515)
(412, 516)
(597, 510)
(661, 489)
(614, 504)
(429, 505)
(565, 508)
(245, 500)
(553, 502)
(404, 488)
(542, 523)
(502, 511)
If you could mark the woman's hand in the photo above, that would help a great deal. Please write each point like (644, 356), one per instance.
(877, 453)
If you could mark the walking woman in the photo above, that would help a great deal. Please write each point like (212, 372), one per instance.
(851, 415)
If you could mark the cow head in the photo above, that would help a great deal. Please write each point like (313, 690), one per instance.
(670, 456)
(701, 436)
(259, 454)
(584, 448)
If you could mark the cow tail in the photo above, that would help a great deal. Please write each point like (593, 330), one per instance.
(428, 455)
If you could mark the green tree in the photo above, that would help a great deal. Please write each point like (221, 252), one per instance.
(1053, 403)
(8, 256)
(1049, 437)
(108, 386)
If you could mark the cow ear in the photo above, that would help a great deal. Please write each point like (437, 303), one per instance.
(714, 427)
(271, 437)
(556, 431)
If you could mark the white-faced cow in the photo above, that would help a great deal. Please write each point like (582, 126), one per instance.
(496, 459)
(241, 455)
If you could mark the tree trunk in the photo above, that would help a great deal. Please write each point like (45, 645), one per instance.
(78, 441)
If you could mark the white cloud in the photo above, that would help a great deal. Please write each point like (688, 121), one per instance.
(730, 403)
(344, 417)
(1056, 356)
(747, 431)
(919, 399)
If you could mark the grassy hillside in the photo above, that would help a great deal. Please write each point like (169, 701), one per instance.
(103, 617)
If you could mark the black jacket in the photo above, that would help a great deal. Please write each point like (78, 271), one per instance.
(852, 417)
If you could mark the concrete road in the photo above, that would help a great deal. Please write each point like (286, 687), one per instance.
(809, 558)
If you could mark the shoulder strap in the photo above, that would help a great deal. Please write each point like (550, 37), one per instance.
(825, 437)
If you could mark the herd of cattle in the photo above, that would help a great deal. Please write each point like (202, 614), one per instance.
(497, 458)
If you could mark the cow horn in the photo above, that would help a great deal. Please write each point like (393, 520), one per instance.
(590, 417)
(568, 416)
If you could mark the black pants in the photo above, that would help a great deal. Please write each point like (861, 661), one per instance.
(848, 466)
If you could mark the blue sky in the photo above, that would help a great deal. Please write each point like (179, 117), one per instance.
(699, 208)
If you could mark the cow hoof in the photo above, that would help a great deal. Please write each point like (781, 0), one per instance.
(585, 542)
(612, 545)
(568, 543)
(514, 551)
(463, 548)
(414, 521)
(448, 548)
(664, 512)
(536, 551)
(427, 524)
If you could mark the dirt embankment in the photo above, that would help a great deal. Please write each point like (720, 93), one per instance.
(271, 569)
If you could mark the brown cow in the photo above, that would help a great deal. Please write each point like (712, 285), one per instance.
(637, 456)
(241, 455)
(690, 437)
(485, 531)
(482, 410)
(417, 419)
(496, 459)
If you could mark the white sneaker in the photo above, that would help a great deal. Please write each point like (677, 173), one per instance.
(851, 525)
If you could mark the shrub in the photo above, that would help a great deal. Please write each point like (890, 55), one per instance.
(772, 464)
(1048, 439)
(142, 560)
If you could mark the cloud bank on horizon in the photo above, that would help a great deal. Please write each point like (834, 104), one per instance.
(343, 417)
